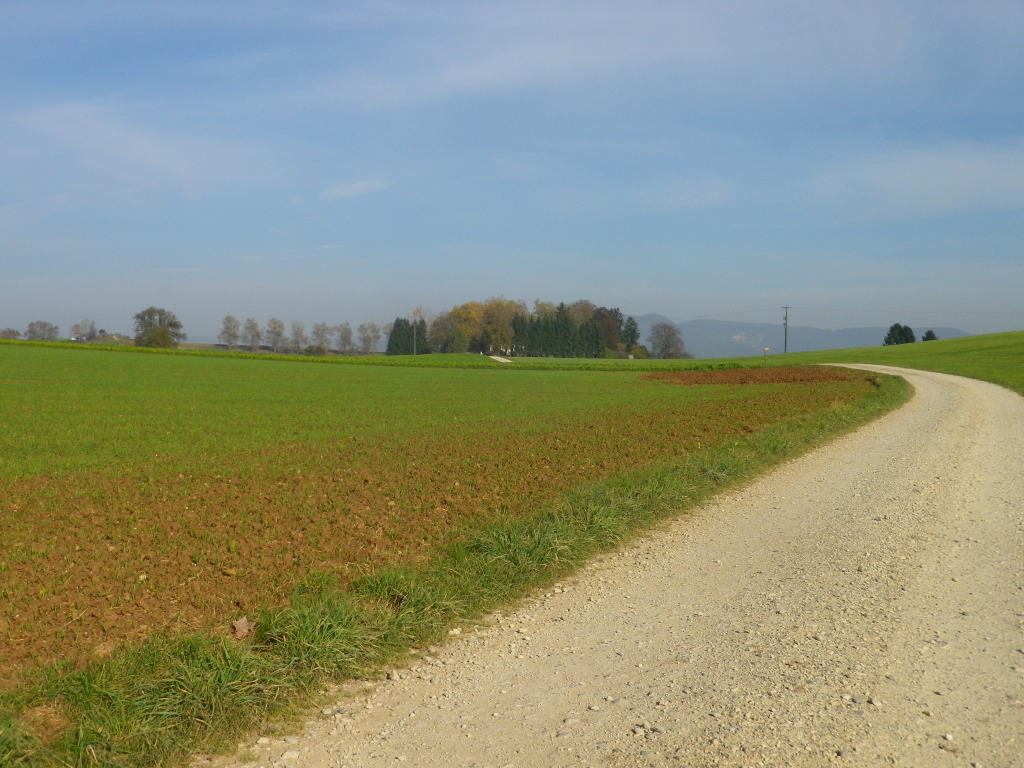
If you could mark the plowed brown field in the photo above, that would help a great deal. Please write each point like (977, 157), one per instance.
(94, 559)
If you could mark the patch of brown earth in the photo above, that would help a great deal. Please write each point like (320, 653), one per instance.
(46, 722)
(786, 375)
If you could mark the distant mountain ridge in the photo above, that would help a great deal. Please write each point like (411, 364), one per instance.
(727, 338)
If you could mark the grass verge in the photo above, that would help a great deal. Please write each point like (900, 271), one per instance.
(158, 703)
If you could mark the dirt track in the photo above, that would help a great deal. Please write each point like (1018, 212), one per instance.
(863, 605)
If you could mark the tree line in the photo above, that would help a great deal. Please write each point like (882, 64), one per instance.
(39, 330)
(497, 326)
(500, 326)
(320, 340)
(159, 327)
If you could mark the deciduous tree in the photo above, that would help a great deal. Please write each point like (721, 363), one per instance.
(344, 334)
(274, 334)
(158, 327)
(469, 320)
(322, 338)
(230, 331)
(543, 308)
(929, 335)
(252, 334)
(609, 321)
(40, 330)
(369, 337)
(665, 341)
(299, 340)
(10, 333)
(496, 328)
(581, 310)
(440, 332)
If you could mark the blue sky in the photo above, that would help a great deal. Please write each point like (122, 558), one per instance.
(862, 162)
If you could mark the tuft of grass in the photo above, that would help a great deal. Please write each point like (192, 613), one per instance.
(17, 747)
(164, 698)
(320, 634)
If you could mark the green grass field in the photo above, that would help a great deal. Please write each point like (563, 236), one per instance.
(352, 510)
(997, 357)
(68, 410)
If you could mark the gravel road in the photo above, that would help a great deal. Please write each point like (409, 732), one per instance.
(862, 606)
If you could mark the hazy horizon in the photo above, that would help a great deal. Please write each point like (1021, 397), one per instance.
(210, 335)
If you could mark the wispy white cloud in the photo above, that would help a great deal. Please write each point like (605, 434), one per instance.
(755, 48)
(350, 189)
(372, 53)
(942, 178)
(81, 140)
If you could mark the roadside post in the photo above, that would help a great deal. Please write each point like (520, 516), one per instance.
(766, 356)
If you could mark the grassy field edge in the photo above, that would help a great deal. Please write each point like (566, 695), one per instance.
(995, 357)
(173, 696)
(454, 360)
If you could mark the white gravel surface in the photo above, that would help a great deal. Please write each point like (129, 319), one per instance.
(862, 605)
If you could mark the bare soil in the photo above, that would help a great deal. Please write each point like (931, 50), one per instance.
(786, 375)
(92, 560)
(861, 606)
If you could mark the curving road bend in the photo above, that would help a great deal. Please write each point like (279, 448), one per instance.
(860, 606)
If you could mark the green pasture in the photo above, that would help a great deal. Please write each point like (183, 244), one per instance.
(69, 407)
(996, 357)
(75, 409)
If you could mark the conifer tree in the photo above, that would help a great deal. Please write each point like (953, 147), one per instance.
(899, 334)
(400, 338)
(630, 334)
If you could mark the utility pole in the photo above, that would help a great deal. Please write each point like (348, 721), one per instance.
(785, 330)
